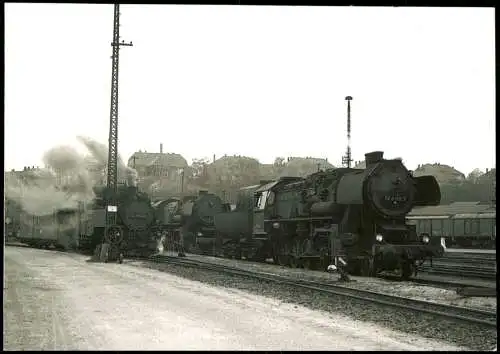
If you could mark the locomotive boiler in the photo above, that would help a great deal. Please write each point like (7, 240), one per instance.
(296, 221)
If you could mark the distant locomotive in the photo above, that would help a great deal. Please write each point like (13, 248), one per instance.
(136, 222)
(188, 222)
(142, 224)
(292, 220)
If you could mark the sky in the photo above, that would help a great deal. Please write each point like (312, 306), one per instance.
(255, 81)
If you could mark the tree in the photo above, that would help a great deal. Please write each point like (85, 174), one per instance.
(279, 161)
(475, 175)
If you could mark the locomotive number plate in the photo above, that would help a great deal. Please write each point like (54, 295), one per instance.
(396, 198)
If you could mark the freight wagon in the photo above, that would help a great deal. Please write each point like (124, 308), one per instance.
(461, 224)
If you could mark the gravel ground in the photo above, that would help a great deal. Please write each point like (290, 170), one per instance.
(406, 289)
(395, 319)
(57, 301)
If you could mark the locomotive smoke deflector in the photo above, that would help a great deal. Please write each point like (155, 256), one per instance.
(427, 191)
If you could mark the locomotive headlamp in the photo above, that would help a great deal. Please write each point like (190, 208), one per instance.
(276, 225)
(379, 238)
(425, 239)
(199, 234)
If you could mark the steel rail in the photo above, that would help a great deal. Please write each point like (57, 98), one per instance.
(481, 317)
(469, 272)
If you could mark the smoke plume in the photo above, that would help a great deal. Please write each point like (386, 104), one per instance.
(99, 152)
(40, 191)
(67, 180)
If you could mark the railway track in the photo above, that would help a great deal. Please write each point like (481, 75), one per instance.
(478, 266)
(439, 271)
(466, 272)
(463, 314)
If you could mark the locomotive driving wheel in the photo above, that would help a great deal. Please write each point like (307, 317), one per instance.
(407, 268)
(293, 261)
(113, 239)
(114, 235)
(310, 263)
(294, 258)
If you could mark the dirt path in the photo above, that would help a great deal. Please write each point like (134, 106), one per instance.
(58, 301)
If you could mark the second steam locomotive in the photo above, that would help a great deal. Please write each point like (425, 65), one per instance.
(356, 215)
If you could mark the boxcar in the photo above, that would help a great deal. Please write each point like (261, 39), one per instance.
(462, 224)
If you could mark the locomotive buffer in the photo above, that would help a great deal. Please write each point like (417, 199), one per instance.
(109, 250)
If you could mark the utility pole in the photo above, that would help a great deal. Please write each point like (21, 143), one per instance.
(112, 234)
(346, 160)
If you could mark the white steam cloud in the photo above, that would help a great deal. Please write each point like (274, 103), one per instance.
(67, 180)
(99, 152)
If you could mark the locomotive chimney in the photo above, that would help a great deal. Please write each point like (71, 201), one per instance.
(161, 148)
(202, 192)
(373, 157)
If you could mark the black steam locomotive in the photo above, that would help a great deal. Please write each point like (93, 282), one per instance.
(355, 214)
(135, 218)
(189, 221)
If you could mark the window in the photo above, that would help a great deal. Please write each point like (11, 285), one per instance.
(260, 200)
(270, 198)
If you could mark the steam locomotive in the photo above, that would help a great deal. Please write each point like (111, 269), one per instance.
(188, 222)
(135, 221)
(143, 225)
(356, 215)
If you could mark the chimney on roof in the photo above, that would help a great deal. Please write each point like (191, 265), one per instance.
(373, 157)
(161, 148)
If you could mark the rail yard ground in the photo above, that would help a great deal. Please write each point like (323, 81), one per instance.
(55, 300)
(401, 288)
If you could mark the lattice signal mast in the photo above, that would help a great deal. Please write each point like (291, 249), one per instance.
(112, 176)
(113, 117)
(346, 159)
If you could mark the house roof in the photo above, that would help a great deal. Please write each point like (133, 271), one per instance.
(145, 159)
